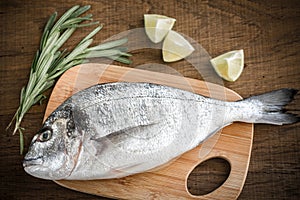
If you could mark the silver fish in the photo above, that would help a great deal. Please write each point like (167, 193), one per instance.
(117, 129)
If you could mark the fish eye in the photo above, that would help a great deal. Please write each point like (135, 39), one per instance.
(45, 135)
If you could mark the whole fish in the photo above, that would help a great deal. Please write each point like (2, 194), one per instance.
(117, 129)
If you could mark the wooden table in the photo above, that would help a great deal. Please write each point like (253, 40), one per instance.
(268, 31)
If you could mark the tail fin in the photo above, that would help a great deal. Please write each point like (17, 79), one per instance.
(272, 107)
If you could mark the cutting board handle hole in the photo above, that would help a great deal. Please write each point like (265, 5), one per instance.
(208, 176)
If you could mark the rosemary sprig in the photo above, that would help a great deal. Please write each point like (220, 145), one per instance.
(49, 62)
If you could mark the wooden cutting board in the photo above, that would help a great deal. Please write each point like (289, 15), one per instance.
(233, 143)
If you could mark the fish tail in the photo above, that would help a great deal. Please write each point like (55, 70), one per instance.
(270, 107)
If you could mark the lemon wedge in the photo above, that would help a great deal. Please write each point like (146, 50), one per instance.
(175, 47)
(157, 26)
(230, 65)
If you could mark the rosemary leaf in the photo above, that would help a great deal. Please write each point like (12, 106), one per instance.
(48, 85)
(46, 64)
(39, 85)
(83, 25)
(30, 85)
(44, 40)
(71, 22)
(55, 66)
(64, 18)
(65, 68)
(22, 93)
(80, 11)
(88, 16)
(21, 141)
(71, 64)
(47, 28)
(48, 48)
(51, 41)
(79, 49)
(122, 49)
(36, 58)
(92, 34)
(39, 98)
(120, 59)
(109, 45)
(63, 38)
(103, 53)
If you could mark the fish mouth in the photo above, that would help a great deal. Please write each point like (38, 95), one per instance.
(27, 162)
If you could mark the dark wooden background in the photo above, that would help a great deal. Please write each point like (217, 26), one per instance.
(268, 31)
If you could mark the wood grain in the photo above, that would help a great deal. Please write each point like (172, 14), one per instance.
(268, 31)
(233, 143)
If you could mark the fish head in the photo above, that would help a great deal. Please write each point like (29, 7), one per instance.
(54, 150)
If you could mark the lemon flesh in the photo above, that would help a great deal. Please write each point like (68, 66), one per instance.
(175, 47)
(157, 26)
(230, 65)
